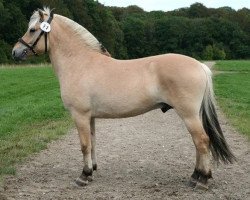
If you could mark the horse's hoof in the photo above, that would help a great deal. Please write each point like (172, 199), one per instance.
(192, 182)
(80, 182)
(90, 178)
(94, 167)
(201, 186)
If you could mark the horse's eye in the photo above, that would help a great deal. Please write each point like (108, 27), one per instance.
(32, 30)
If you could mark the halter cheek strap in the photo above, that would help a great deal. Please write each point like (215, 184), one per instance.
(31, 47)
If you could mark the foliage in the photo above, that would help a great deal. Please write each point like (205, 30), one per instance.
(208, 53)
(131, 32)
(232, 89)
(31, 113)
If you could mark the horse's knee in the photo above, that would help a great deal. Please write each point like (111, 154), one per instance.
(86, 149)
(85, 142)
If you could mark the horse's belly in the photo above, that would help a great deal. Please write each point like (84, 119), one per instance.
(122, 109)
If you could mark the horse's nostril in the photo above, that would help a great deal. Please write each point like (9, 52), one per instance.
(13, 53)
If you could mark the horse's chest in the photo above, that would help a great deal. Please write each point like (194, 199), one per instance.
(75, 97)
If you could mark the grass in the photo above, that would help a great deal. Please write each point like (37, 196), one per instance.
(31, 113)
(233, 65)
(233, 93)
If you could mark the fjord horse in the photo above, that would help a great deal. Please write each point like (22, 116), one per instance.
(95, 85)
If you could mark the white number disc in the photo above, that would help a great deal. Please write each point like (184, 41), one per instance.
(45, 26)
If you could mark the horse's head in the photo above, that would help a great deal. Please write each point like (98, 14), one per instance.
(34, 41)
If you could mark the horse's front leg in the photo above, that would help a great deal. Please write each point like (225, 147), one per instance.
(84, 130)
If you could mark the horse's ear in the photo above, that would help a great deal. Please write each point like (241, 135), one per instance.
(52, 11)
(41, 14)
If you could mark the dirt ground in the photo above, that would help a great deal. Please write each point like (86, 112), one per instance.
(146, 157)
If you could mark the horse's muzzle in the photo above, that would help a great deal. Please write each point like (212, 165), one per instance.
(19, 54)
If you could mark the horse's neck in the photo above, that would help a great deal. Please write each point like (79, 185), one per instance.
(65, 47)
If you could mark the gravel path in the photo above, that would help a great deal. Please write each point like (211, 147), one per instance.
(146, 157)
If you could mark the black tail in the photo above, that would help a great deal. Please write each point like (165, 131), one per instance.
(218, 144)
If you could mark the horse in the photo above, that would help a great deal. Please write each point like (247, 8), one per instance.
(95, 85)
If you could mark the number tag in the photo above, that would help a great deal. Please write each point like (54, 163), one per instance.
(45, 26)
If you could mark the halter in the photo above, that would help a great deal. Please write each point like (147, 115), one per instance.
(31, 47)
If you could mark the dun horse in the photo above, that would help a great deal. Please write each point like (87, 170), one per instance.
(94, 85)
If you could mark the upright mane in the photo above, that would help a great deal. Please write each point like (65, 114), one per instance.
(35, 16)
(90, 41)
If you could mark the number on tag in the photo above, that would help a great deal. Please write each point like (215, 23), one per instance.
(45, 26)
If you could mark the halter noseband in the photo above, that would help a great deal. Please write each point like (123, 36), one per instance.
(31, 47)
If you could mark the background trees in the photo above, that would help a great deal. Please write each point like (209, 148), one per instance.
(197, 31)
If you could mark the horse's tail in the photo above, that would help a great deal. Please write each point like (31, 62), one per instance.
(218, 144)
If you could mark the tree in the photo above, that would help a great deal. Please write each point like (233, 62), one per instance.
(131, 32)
(4, 48)
(134, 40)
(197, 10)
(218, 53)
(208, 53)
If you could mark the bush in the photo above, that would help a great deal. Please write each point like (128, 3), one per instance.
(4, 49)
(218, 54)
(208, 53)
(213, 53)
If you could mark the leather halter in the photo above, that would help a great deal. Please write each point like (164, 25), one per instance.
(31, 47)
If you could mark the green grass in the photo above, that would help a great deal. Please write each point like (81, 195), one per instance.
(31, 113)
(233, 65)
(233, 93)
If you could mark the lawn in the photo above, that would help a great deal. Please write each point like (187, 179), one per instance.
(31, 113)
(233, 65)
(232, 89)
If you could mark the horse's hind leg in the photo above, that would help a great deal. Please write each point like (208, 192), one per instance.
(84, 131)
(202, 170)
(93, 143)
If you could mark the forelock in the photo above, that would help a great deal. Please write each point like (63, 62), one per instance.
(36, 17)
